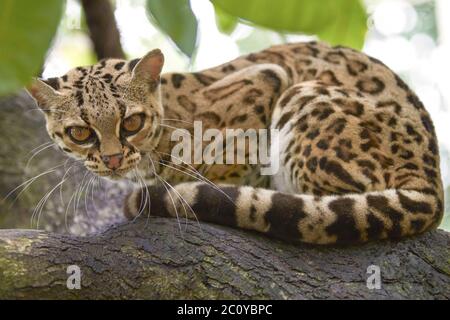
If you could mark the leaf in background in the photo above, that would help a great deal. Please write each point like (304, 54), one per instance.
(335, 21)
(176, 19)
(26, 31)
(445, 223)
(225, 22)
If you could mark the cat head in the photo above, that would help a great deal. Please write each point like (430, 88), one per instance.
(107, 115)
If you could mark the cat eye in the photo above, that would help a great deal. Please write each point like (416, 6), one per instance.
(133, 124)
(80, 135)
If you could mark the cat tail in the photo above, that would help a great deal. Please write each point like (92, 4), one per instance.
(334, 219)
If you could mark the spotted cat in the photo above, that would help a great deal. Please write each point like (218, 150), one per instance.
(359, 158)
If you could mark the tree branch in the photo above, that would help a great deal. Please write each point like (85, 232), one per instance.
(153, 261)
(103, 29)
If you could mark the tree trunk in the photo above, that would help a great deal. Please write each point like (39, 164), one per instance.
(103, 29)
(158, 258)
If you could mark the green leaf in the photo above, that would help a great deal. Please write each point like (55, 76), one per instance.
(225, 23)
(26, 31)
(176, 19)
(335, 21)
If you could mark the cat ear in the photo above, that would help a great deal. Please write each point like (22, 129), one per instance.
(44, 92)
(149, 68)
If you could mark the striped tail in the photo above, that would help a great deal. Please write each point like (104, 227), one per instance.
(334, 219)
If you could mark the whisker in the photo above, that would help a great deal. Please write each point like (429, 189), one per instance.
(181, 198)
(173, 202)
(183, 202)
(202, 177)
(179, 120)
(171, 198)
(41, 145)
(175, 128)
(36, 153)
(72, 198)
(147, 196)
(28, 182)
(137, 180)
(40, 109)
(79, 193)
(43, 201)
(67, 211)
(208, 167)
(60, 189)
(141, 186)
(97, 185)
(86, 194)
(82, 192)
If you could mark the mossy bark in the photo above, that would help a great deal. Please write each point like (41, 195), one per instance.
(152, 259)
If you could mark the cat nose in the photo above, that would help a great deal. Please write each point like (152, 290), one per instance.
(113, 161)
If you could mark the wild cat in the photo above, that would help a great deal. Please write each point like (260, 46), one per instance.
(358, 154)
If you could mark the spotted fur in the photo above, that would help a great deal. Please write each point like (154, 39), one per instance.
(359, 155)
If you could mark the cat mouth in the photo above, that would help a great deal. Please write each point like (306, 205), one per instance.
(114, 174)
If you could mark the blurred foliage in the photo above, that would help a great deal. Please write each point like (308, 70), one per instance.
(445, 224)
(27, 27)
(341, 22)
(258, 39)
(225, 23)
(426, 20)
(26, 31)
(176, 19)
